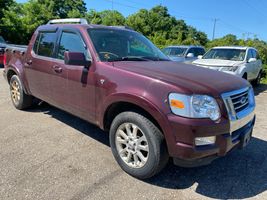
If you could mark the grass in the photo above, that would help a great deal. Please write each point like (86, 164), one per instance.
(264, 79)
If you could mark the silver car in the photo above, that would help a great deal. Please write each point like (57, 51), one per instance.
(186, 54)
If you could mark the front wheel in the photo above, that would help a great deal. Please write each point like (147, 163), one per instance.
(137, 145)
(19, 99)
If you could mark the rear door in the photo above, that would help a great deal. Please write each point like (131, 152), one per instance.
(258, 63)
(80, 91)
(39, 65)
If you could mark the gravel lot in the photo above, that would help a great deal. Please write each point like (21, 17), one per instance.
(46, 153)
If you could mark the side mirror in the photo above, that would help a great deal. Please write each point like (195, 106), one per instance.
(76, 58)
(190, 55)
(252, 60)
(200, 57)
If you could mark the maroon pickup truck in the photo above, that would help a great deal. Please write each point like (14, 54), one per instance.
(152, 107)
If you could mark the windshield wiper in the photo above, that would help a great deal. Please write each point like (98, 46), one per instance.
(129, 58)
(137, 58)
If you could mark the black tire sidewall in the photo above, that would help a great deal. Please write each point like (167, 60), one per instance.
(154, 143)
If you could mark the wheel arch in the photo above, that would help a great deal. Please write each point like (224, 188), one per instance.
(122, 106)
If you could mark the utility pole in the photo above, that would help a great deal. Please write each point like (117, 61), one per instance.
(214, 27)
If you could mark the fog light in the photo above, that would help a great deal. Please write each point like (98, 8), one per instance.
(205, 140)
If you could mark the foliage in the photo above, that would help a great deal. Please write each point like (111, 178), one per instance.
(106, 17)
(264, 78)
(163, 29)
(4, 4)
(20, 20)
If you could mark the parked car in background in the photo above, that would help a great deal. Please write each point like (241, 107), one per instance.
(117, 79)
(186, 54)
(240, 61)
(2, 50)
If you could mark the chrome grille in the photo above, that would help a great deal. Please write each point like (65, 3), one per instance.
(240, 101)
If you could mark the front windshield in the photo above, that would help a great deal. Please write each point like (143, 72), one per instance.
(118, 45)
(2, 40)
(175, 51)
(226, 54)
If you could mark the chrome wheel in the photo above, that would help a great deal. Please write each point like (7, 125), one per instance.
(15, 92)
(131, 144)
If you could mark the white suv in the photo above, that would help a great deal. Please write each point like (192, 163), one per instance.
(240, 61)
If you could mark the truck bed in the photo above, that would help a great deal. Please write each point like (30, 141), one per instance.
(15, 53)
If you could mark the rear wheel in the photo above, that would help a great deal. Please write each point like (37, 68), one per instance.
(19, 99)
(138, 145)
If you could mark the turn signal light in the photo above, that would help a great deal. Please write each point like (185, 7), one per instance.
(177, 104)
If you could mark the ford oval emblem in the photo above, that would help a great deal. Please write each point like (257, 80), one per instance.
(243, 100)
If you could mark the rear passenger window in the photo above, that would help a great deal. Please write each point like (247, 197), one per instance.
(45, 44)
(71, 42)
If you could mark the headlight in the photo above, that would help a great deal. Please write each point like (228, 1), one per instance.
(231, 69)
(195, 106)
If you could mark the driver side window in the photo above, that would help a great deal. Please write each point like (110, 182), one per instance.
(72, 42)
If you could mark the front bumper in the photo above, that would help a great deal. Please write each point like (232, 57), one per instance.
(203, 155)
(229, 135)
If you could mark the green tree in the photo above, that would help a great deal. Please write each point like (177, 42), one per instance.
(106, 17)
(164, 29)
(4, 5)
(20, 20)
(66, 8)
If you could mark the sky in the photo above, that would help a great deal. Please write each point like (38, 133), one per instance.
(244, 18)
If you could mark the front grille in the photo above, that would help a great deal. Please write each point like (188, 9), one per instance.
(240, 101)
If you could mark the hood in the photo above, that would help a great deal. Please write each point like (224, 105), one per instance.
(216, 63)
(188, 79)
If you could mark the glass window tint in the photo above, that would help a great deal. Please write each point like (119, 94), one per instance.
(45, 44)
(200, 52)
(255, 54)
(250, 55)
(193, 51)
(177, 51)
(70, 42)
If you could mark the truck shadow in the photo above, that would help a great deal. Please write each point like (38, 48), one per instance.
(262, 88)
(241, 174)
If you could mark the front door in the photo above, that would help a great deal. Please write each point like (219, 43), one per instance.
(80, 91)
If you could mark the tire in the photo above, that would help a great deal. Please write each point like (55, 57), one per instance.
(257, 81)
(245, 76)
(152, 146)
(18, 97)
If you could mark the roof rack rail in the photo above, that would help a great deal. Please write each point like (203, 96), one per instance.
(68, 21)
(125, 27)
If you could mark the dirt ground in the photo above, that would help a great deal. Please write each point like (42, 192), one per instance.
(46, 153)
